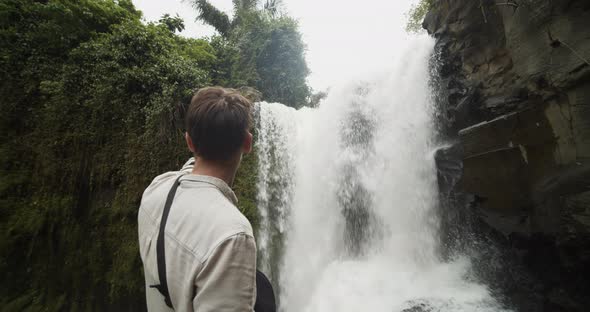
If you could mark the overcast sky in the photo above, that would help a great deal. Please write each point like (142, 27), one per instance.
(346, 40)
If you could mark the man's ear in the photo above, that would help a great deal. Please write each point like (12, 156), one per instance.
(189, 142)
(247, 147)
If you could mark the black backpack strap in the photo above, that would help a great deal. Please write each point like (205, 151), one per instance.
(160, 251)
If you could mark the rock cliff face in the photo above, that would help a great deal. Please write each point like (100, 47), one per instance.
(514, 79)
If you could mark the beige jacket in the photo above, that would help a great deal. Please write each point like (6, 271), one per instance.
(210, 249)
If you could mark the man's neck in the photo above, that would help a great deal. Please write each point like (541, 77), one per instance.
(225, 171)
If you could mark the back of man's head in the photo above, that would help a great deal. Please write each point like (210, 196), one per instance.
(218, 122)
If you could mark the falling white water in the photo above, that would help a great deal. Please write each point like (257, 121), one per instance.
(275, 182)
(348, 194)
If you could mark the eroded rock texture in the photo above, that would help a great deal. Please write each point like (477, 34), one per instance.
(515, 96)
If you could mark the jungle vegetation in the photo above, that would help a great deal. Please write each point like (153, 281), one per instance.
(416, 15)
(91, 100)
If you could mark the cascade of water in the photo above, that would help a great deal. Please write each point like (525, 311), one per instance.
(275, 174)
(347, 195)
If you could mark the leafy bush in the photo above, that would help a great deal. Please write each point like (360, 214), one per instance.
(416, 15)
(88, 93)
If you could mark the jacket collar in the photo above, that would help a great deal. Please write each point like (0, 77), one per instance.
(218, 183)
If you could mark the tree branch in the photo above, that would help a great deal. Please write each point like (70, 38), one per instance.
(212, 16)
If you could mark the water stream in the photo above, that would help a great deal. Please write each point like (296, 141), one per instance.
(348, 200)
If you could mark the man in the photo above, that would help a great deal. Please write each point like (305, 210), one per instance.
(210, 253)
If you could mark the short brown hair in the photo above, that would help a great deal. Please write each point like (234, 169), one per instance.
(218, 120)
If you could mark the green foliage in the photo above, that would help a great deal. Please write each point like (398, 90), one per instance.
(88, 94)
(416, 15)
(317, 97)
(245, 187)
(210, 15)
(35, 37)
(259, 48)
(88, 97)
(273, 7)
(272, 48)
(174, 24)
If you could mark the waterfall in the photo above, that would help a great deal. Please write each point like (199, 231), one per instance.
(348, 198)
